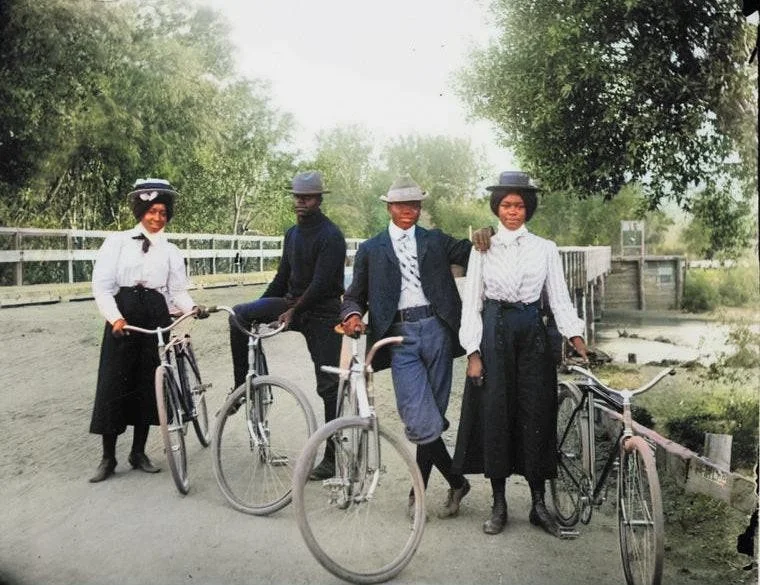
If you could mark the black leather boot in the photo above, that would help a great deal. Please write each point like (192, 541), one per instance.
(141, 461)
(495, 524)
(326, 467)
(539, 515)
(104, 470)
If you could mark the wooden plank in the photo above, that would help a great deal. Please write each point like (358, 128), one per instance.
(694, 472)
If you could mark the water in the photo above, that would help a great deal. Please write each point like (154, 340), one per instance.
(654, 337)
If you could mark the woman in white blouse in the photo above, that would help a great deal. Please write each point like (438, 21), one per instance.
(509, 411)
(138, 274)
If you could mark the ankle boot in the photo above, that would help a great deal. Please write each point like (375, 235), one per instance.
(540, 515)
(104, 470)
(495, 524)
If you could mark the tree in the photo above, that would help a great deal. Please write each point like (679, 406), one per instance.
(345, 154)
(594, 95)
(448, 169)
(93, 96)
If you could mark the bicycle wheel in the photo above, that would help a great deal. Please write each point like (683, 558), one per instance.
(566, 487)
(172, 428)
(194, 390)
(356, 523)
(255, 445)
(640, 518)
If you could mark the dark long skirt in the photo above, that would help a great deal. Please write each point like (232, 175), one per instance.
(509, 425)
(125, 393)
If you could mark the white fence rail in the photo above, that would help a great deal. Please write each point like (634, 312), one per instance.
(214, 253)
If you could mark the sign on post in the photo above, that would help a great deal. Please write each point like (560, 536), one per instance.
(632, 238)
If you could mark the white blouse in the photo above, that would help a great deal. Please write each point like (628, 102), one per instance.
(122, 263)
(517, 267)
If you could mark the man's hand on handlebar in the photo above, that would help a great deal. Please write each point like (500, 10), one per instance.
(201, 311)
(353, 326)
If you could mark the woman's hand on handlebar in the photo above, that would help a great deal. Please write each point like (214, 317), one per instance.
(117, 329)
(580, 347)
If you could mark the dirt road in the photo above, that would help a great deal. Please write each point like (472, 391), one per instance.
(136, 529)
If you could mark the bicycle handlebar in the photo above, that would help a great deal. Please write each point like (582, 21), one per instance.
(275, 326)
(378, 344)
(157, 330)
(368, 358)
(639, 390)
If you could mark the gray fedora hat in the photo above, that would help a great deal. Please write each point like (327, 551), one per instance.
(308, 183)
(514, 180)
(404, 189)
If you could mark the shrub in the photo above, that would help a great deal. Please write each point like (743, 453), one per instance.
(699, 293)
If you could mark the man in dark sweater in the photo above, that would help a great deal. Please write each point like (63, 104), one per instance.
(305, 294)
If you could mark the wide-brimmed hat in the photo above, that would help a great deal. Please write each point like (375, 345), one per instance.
(514, 180)
(404, 189)
(148, 192)
(308, 183)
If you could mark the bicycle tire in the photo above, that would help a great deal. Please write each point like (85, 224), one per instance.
(195, 391)
(641, 523)
(256, 478)
(172, 428)
(361, 540)
(572, 448)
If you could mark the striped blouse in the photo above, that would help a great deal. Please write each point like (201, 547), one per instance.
(517, 266)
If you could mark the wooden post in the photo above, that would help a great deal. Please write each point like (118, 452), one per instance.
(20, 263)
(718, 449)
(70, 263)
(642, 300)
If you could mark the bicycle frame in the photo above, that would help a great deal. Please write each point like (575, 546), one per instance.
(594, 395)
(358, 380)
(259, 434)
(163, 350)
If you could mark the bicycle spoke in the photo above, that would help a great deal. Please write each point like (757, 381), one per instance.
(357, 523)
(640, 516)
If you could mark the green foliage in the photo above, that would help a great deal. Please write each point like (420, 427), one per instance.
(95, 95)
(699, 294)
(570, 221)
(719, 399)
(448, 169)
(593, 95)
(706, 289)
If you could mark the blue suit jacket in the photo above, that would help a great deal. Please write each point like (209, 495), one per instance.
(376, 285)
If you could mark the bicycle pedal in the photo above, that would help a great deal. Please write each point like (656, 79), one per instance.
(568, 533)
(279, 461)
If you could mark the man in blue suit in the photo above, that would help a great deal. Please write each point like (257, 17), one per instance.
(403, 276)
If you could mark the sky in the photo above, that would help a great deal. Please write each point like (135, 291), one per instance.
(387, 66)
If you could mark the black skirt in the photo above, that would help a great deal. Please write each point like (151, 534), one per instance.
(508, 425)
(125, 394)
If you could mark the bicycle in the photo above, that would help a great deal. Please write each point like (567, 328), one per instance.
(356, 523)
(578, 489)
(259, 432)
(180, 396)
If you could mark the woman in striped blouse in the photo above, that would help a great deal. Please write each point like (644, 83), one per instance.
(509, 411)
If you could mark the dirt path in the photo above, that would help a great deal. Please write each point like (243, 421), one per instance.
(135, 528)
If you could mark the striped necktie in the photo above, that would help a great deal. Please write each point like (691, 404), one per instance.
(408, 263)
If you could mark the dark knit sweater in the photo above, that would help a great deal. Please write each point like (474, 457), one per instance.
(312, 264)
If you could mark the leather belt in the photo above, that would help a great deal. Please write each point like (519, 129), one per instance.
(414, 314)
(518, 306)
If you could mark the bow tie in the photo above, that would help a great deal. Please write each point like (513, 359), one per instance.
(146, 241)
